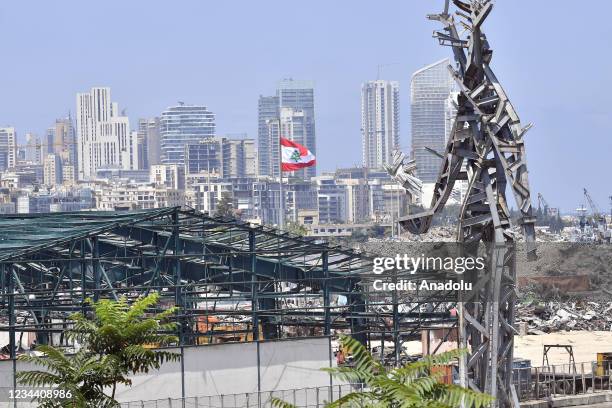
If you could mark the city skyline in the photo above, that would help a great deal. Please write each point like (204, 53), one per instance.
(336, 64)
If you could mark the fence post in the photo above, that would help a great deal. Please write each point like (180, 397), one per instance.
(584, 390)
(537, 383)
(574, 381)
(564, 380)
(554, 380)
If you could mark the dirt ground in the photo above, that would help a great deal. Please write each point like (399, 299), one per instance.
(586, 345)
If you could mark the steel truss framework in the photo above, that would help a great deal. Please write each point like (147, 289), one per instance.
(486, 149)
(233, 281)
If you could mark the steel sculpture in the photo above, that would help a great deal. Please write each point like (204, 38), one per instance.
(485, 148)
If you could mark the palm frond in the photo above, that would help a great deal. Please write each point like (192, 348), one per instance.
(453, 395)
(279, 403)
(37, 378)
(359, 399)
(365, 365)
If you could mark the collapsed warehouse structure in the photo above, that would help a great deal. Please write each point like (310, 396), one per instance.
(232, 281)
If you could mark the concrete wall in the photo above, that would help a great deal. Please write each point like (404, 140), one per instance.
(225, 369)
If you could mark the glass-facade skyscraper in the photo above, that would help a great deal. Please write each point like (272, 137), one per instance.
(182, 125)
(299, 96)
(267, 112)
(430, 89)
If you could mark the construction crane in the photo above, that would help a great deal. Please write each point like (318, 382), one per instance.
(542, 204)
(546, 209)
(598, 218)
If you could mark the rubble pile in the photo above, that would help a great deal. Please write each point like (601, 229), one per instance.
(551, 316)
(435, 234)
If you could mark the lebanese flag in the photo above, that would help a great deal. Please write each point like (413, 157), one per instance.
(294, 156)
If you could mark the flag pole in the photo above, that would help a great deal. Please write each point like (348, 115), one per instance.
(280, 172)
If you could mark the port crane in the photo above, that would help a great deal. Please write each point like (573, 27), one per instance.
(599, 220)
(545, 208)
(542, 204)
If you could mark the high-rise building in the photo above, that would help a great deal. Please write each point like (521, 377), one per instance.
(204, 156)
(295, 126)
(103, 134)
(379, 122)
(430, 89)
(64, 141)
(182, 125)
(48, 143)
(148, 142)
(238, 158)
(299, 96)
(268, 111)
(225, 157)
(33, 149)
(272, 154)
(141, 142)
(52, 170)
(8, 148)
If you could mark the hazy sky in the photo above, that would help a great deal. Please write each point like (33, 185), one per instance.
(551, 56)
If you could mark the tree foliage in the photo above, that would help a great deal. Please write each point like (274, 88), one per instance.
(116, 340)
(297, 229)
(413, 385)
(225, 206)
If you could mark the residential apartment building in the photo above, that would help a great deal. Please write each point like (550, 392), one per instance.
(103, 134)
(8, 148)
(137, 196)
(380, 119)
(169, 175)
(52, 170)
